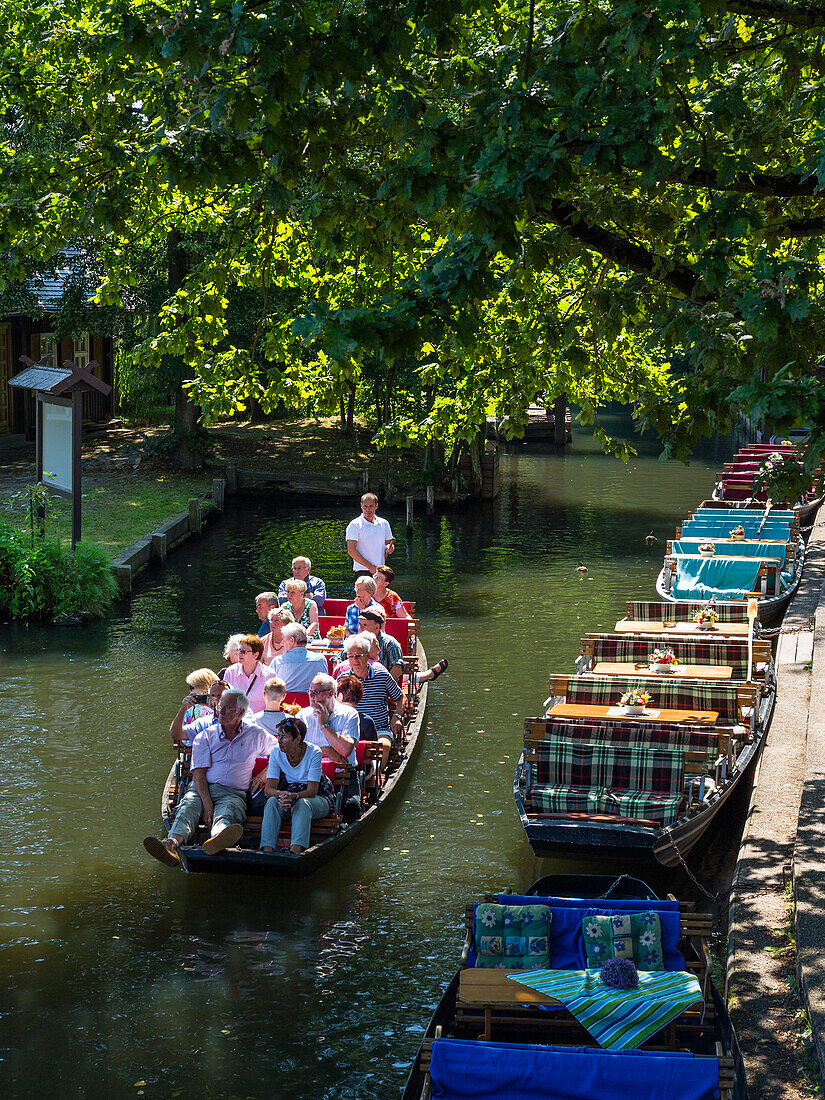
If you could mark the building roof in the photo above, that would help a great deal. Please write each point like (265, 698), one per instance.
(57, 380)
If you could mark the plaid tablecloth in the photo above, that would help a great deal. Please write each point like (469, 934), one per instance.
(617, 1019)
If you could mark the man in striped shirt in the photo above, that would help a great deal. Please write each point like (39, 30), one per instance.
(381, 692)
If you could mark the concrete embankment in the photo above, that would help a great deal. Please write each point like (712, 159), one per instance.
(776, 834)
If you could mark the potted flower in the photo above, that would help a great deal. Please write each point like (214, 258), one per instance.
(705, 618)
(663, 660)
(335, 636)
(738, 533)
(635, 701)
(707, 549)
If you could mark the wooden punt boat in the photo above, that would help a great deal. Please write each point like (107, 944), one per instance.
(804, 512)
(708, 1034)
(249, 860)
(771, 607)
(614, 836)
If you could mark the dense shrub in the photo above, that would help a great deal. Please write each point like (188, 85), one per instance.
(39, 579)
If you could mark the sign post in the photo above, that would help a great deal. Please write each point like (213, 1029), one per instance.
(59, 427)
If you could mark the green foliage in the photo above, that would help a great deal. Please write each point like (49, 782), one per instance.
(473, 201)
(785, 480)
(39, 579)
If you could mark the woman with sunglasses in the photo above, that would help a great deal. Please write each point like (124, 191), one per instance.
(294, 784)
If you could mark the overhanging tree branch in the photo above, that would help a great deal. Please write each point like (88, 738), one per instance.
(798, 15)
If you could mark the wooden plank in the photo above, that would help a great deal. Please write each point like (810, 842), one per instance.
(690, 629)
(698, 672)
(481, 987)
(593, 710)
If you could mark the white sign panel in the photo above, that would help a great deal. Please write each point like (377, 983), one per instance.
(57, 446)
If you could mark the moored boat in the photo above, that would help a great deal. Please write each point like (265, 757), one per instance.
(329, 835)
(491, 1035)
(615, 781)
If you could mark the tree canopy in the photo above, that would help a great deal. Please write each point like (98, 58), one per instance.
(616, 200)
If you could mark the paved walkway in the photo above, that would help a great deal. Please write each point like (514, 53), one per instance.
(760, 962)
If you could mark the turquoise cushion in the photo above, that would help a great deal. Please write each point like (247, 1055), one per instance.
(636, 936)
(513, 936)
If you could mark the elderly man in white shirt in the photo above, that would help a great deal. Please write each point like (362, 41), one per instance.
(334, 727)
(369, 537)
(223, 762)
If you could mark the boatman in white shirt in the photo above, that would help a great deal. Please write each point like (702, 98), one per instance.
(369, 538)
(223, 761)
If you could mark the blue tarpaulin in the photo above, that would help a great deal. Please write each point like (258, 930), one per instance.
(466, 1070)
(725, 578)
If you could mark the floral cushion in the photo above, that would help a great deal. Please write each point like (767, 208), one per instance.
(513, 936)
(636, 936)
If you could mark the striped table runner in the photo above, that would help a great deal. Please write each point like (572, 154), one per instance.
(617, 1019)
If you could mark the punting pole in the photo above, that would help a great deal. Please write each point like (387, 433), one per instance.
(753, 608)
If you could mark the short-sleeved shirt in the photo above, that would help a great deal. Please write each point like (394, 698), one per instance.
(316, 590)
(264, 629)
(231, 763)
(389, 650)
(378, 687)
(352, 615)
(393, 605)
(298, 668)
(252, 686)
(370, 539)
(307, 771)
(344, 719)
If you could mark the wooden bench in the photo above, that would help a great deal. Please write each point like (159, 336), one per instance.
(594, 648)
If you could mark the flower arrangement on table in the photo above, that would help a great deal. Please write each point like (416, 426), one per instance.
(619, 974)
(707, 548)
(705, 617)
(290, 708)
(335, 635)
(635, 698)
(664, 656)
(737, 533)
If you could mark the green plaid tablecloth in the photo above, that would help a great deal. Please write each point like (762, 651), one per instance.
(617, 1019)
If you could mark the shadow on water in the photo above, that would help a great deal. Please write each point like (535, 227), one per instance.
(121, 977)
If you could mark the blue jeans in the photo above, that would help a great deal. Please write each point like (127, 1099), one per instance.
(229, 809)
(304, 810)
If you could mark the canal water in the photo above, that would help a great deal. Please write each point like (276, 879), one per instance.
(123, 978)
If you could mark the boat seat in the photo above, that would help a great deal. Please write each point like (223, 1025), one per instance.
(595, 648)
(657, 611)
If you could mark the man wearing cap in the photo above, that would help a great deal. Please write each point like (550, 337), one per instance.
(316, 589)
(369, 537)
(223, 762)
(371, 621)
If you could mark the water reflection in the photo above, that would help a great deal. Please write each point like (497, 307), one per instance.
(124, 978)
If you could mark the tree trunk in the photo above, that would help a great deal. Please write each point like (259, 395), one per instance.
(560, 417)
(343, 412)
(475, 467)
(187, 413)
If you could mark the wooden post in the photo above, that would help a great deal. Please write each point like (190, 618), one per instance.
(218, 491)
(231, 479)
(194, 516)
(77, 445)
(430, 500)
(158, 546)
(560, 422)
(409, 513)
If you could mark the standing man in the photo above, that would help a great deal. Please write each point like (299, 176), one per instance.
(369, 538)
(264, 602)
(316, 589)
(223, 761)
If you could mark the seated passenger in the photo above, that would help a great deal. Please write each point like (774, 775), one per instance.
(316, 589)
(304, 611)
(364, 589)
(351, 692)
(230, 652)
(333, 727)
(297, 767)
(264, 602)
(195, 704)
(389, 654)
(223, 760)
(249, 674)
(279, 617)
(298, 667)
(392, 603)
(381, 692)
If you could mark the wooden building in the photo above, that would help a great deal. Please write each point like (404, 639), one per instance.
(32, 333)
